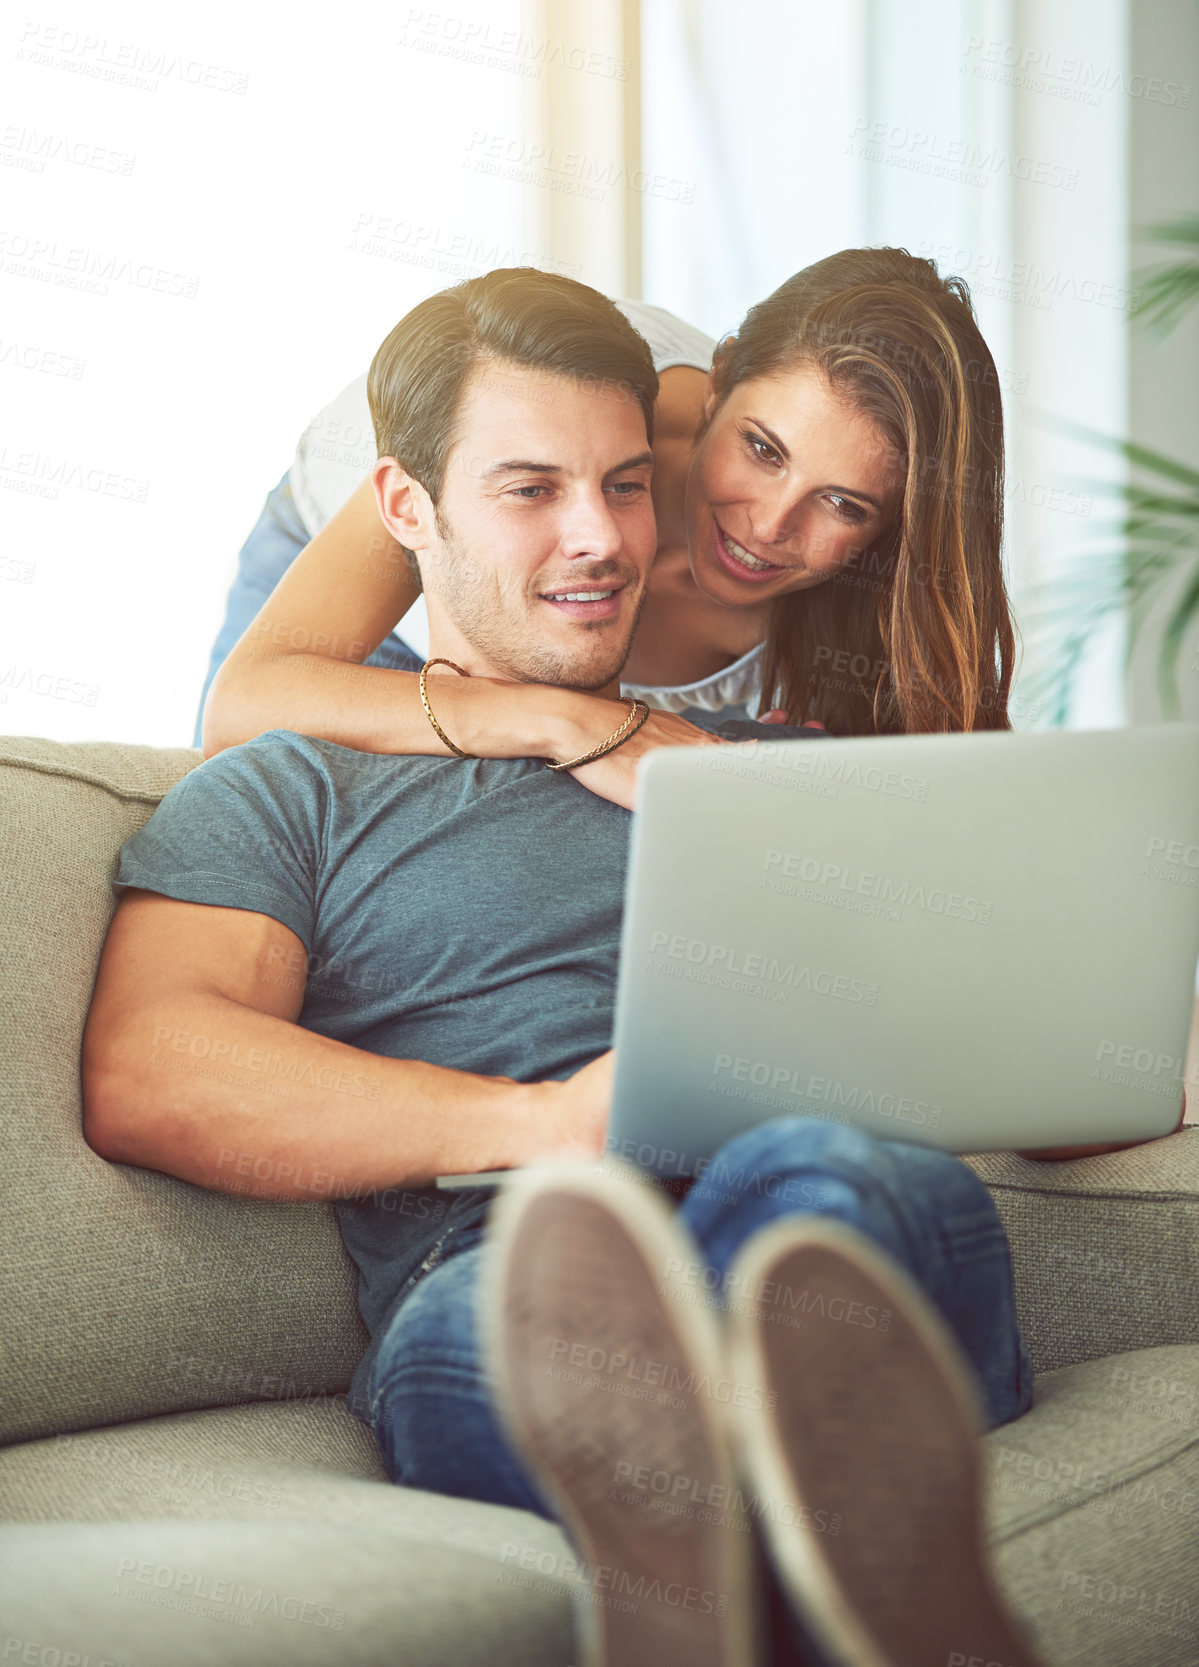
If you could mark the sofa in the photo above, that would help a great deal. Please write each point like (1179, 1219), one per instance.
(180, 1479)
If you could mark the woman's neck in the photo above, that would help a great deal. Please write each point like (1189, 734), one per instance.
(682, 635)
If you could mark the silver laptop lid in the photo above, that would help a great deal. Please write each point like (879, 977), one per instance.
(976, 942)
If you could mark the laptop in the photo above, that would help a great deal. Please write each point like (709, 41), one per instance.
(974, 942)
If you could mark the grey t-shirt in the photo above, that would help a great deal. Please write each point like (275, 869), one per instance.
(463, 912)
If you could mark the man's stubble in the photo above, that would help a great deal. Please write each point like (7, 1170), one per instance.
(467, 593)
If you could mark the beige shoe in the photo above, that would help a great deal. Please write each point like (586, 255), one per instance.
(863, 1460)
(613, 1387)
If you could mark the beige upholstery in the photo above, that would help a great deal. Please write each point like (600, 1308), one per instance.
(171, 1407)
(1105, 1249)
(133, 1273)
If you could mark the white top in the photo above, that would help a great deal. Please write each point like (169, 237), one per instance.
(338, 448)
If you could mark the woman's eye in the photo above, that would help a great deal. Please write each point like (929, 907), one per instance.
(762, 449)
(845, 509)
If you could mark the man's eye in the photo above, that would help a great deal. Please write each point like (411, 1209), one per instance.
(525, 491)
(627, 488)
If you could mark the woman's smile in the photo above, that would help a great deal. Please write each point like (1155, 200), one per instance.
(742, 563)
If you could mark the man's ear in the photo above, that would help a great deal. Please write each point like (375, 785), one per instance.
(405, 507)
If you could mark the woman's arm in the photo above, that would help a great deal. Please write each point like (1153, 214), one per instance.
(299, 663)
(299, 666)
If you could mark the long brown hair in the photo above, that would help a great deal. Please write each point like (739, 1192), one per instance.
(915, 634)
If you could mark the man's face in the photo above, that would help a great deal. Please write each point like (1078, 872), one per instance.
(534, 565)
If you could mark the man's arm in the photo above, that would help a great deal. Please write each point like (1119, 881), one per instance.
(193, 1064)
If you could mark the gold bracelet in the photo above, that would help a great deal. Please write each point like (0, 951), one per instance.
(424, 695)
(639, 713)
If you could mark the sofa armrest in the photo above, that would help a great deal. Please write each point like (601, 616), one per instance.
(1105, 1250)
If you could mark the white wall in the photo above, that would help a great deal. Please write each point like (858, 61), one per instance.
(283, 191)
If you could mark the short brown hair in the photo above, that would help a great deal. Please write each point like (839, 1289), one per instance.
(515, 314)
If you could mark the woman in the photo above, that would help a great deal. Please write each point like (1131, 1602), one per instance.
(829, 502)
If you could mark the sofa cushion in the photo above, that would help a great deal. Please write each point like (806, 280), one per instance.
(1105, 1250)
(267, 1509)
(125, 1292)
(1093, 1505)
(304, 1594)
(1094, 1510)
(307, 1460)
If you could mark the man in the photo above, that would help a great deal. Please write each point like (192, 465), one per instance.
(400, 967)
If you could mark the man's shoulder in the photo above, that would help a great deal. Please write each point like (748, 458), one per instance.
(290, 756)
(306, 774)
(279, 767)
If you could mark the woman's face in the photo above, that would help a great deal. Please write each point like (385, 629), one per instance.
(788, 483)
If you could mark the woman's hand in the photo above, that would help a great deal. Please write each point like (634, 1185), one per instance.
(614, 777)
(495, 719)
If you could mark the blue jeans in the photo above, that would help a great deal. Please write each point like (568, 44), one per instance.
(431, 1408)
(277, 538)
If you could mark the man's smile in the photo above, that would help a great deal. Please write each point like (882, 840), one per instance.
(597, 602)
